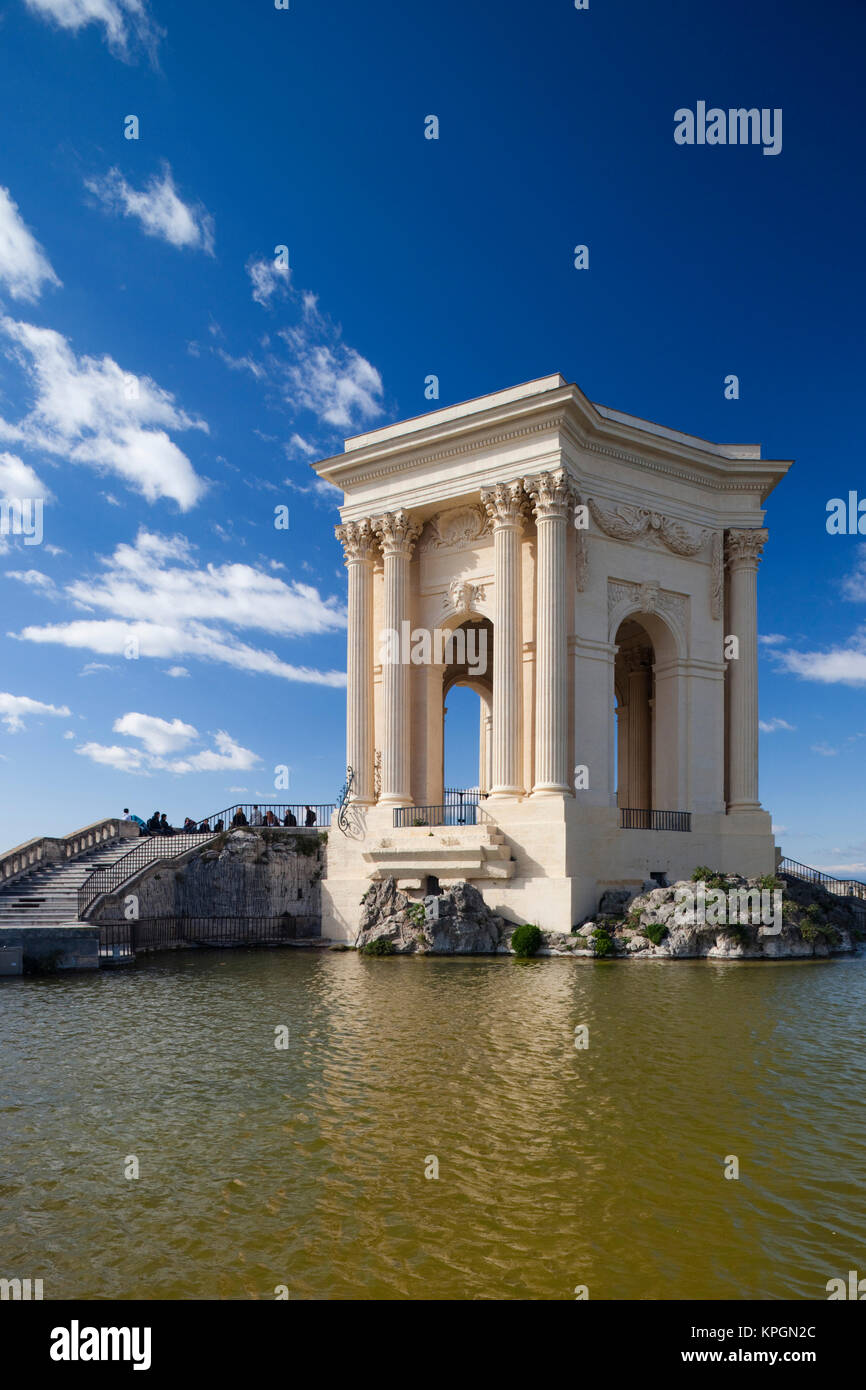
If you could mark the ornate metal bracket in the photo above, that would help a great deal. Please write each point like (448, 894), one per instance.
(343, 816)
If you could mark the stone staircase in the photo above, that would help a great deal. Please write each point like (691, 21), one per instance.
(48, 895)
(476, 853)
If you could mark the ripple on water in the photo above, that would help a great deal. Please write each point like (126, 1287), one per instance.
(306, 1167)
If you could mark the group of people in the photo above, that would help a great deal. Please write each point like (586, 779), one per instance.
(269, 818)
(158, 823)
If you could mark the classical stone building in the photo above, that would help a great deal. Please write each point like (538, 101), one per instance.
(593, 569)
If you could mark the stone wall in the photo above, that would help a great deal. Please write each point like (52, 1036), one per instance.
(261, 872)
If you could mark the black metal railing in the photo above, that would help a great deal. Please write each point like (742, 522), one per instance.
(839, 887)
(146, 851)
(466, 812)
(632, 819)
(296, 816)
(121, 941)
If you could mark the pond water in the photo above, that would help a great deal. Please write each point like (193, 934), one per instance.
(305, 1166)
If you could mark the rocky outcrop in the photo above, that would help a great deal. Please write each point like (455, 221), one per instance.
(803, 921)
(456, 922)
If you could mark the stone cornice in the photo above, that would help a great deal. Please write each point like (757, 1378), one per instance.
(566, 412)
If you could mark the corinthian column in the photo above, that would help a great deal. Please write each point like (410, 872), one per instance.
(505, 505)
(743, 553)
(397, 534)
(551, 495)
(359, 545)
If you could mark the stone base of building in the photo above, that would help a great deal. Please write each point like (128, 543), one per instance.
(543, 860)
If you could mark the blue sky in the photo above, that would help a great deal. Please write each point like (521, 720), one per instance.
(164, 387)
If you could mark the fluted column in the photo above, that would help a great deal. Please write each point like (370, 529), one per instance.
(551, 495)
(639, 730)
(505, 505)
(743, 553)
(359, 545)
(397, 534)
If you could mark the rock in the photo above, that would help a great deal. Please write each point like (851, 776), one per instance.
(613, 902)
(456, 922)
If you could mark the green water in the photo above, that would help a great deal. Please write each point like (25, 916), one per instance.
(305, 1167)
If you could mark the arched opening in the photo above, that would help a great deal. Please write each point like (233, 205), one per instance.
(468, 709)
(647, 691)
(634, 686)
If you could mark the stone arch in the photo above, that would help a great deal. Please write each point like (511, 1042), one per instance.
(649, 693)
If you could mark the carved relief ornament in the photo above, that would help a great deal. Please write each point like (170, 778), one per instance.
(627, 523)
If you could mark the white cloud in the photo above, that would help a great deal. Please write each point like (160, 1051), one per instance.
(88, 410)
(159, 736)
(34, 579)
(69, 734)
(113, 755)
(124, 22)
(177, 672)
(323, 374)
(17, 479)
(162, 739)
(332, 380)
(772, 639)
(838, 666)
(155, 594)
(769, 726)
(159, 208)
(93, 666)
(242, 364)
(14, 709)
(854, 584)
(825, 750)
(24, 267)
(268, 278)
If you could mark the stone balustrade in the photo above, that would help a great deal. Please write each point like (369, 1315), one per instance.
(50, 849)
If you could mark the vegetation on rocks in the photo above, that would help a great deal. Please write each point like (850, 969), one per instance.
(525, 940)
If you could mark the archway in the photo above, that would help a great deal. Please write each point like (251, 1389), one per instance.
(467, 709)
(649, 722)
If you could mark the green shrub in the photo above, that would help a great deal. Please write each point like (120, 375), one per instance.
(769, 881)
(380, 947)
(656, 931)
(525, 940)
(602, 942)
(711, 877)
(417, 915)
(634, 918)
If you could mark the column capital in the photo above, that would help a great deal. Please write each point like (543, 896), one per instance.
(743, 548)
(553, 494)
(505, 504)
(397, 533)
(358, 540)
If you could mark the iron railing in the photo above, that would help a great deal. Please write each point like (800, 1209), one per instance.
(147, 851)
(121, 941)
(294, 816)
(839, 887)
(466, 812)
(632, 819)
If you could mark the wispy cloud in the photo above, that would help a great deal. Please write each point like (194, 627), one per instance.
(163, 605)
(162, 741)
(837, 666)
(269, 278)
(24, 268)
(88, 410)
(854, 584)
(14, 709)
(770, 726)
(159, 208)
(772, 639)
(125, 23)
(825, 750)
